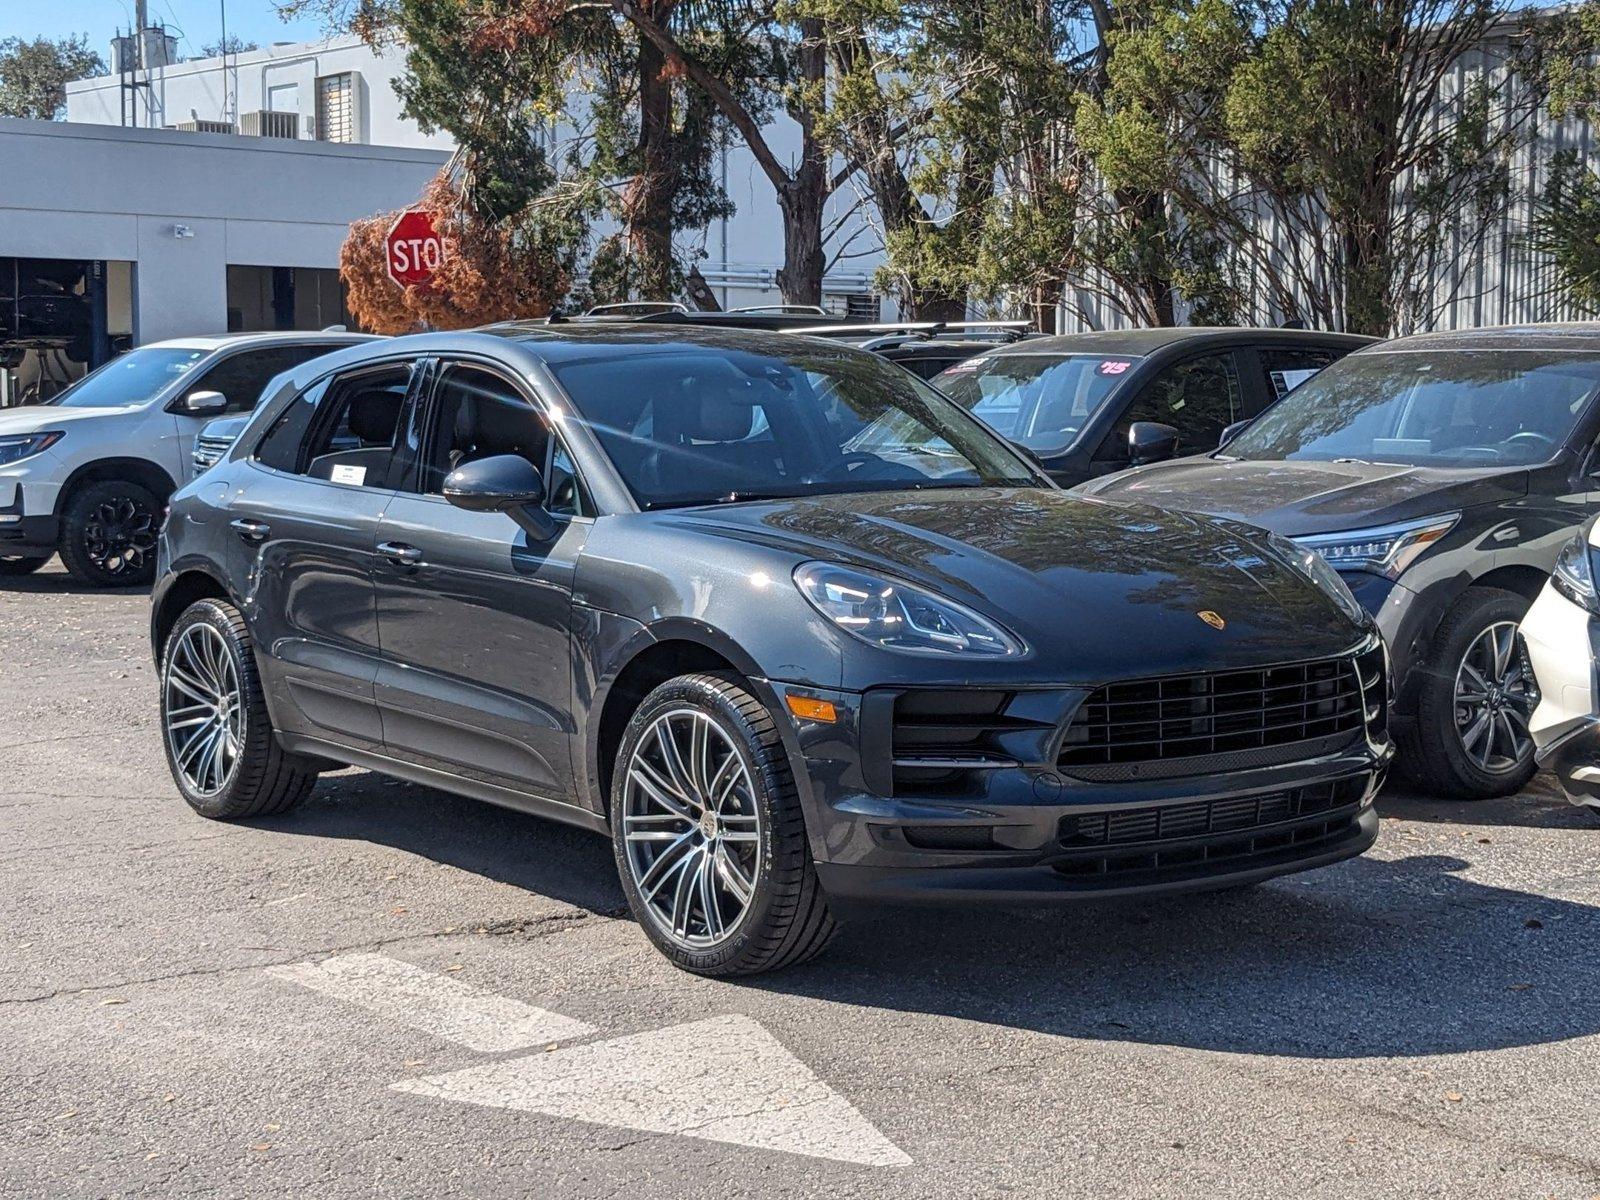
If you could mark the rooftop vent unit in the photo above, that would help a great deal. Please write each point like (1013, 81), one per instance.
(199, 126)
(270, 124)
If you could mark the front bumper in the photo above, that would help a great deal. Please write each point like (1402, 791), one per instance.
(1032, 833)
(1563, 643)
(29, 525)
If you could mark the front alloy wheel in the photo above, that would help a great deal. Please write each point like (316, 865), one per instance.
(1495, 698)
(692, 830)
(709, 836)
(1468, 739)
(109, 532)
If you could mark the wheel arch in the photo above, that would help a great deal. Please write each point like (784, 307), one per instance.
(652, 656)
(176, 594)
(148, 475)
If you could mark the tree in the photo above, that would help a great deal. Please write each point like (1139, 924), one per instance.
(227, 46)
(34, 74)
(516, 265)
(1335, 123)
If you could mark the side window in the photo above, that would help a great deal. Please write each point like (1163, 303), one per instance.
(1199, 398)
(476, 414)
(242, 377)
(341, 430)
(1287, 367)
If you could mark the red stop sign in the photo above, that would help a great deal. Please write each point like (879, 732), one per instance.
(412, 249)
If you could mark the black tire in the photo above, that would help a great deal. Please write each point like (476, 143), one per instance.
(108, 534)
(263, 780)
(786, 920)
(21, 566)
(1433, 756)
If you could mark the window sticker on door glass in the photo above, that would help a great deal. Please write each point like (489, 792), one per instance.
(1114, 366)
(1284, 382)
(344, 473)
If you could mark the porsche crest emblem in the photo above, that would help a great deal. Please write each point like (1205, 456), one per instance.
(1212, 619)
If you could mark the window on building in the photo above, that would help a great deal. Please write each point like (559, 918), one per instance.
(336, 107)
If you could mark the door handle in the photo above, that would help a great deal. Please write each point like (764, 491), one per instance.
(251, 531)
(400, 554)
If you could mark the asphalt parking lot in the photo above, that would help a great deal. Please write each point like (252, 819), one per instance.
(396, 991)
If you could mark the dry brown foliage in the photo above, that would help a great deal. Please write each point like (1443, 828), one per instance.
(486, 274)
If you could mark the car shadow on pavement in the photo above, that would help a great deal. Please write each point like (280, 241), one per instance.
(58, 583)
(1372, 958)
(558, 861)
(1540, 805)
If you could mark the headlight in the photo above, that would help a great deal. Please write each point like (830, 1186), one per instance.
(900, 616)
(18, 446)
(1316, 569)
(1385, 550)
(1574, 574)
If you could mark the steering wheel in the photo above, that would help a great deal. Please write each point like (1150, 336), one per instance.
(1531, 435)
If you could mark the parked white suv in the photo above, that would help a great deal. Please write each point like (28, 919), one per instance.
(87, 473)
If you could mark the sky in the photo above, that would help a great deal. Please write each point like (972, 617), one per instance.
(193, 22)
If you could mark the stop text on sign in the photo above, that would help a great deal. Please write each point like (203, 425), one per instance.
(413, 249)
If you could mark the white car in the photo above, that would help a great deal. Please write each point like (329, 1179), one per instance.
(87, 473)
(1560, 631)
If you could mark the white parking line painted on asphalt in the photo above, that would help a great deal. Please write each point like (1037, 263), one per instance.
(724, 1079)
(436, 1004)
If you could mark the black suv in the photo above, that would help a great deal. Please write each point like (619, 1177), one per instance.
(778, 617)
(1087, 404)
(1440, 474)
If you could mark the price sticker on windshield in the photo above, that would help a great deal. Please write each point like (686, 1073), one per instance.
(1114, 366)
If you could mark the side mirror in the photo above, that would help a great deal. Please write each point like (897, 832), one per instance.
(505, 483)
(1231, 432)
(203, 404)
(1150, 441)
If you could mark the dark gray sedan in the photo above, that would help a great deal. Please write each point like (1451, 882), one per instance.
(779, 618)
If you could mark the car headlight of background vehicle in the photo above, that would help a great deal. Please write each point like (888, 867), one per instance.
(15, 447)
(897, 615)
(1574, 574)
(1384, 549)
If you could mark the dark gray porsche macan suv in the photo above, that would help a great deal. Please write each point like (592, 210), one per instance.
(789, 626)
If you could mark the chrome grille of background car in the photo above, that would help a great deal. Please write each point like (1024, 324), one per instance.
(209, 451)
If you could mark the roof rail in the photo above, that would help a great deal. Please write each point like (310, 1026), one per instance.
(907, 330)
(784, 310)
(636, 308)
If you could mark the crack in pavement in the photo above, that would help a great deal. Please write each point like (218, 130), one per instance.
(556, 922)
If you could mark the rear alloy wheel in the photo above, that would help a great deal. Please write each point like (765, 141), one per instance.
(220, 745)
(1470, 739)
(109, 532)
(709, 837)
(21, 566)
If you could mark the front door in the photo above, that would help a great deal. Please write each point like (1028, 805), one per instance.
(305, 523)
(474, 619)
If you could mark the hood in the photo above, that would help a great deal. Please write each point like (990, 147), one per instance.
(31, 418)
(1097, 591)
(1296, 498)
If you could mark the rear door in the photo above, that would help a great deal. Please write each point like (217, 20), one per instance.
(305, 523)
(474, 618)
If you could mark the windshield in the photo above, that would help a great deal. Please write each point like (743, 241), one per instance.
(1040, 400)
(693, 425)
(1442, 409)
(130, 379)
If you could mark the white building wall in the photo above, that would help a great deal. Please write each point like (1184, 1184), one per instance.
(92, 192)
(743, 253)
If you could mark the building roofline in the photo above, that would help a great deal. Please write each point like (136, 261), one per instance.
(87, 131)
(248, 58)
